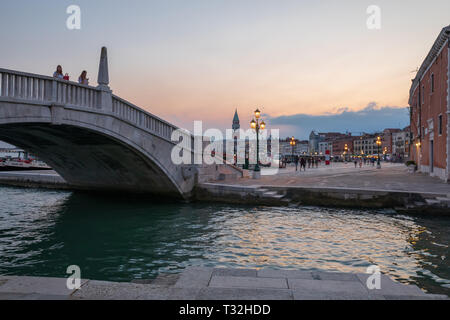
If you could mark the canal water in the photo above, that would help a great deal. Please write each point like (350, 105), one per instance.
(121, 239)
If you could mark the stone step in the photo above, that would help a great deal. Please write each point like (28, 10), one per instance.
(433, 202)
(275, 196)
(227, 176)
(419, 204)
(272, 195)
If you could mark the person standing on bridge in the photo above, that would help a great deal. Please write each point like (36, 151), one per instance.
(58, 73)
(82, 79)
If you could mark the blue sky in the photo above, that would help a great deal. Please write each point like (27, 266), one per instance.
(187, 60)
(371, 119)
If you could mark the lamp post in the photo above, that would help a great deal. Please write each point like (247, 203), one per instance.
(293, 143)
(345, 152)
(257, 126)
(379, 145)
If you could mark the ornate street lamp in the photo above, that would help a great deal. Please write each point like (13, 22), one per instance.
(293, 143)
(345, 152)
(379, 145)
(257, 126)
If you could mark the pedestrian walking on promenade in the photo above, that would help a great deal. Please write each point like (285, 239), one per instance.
(303, 164)
(356, 162)
(309, 163)
(296, 163)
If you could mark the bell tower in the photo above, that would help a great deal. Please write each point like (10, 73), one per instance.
(236, 125)
(236, 136)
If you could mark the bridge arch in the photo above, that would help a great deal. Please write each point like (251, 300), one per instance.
(92, 138)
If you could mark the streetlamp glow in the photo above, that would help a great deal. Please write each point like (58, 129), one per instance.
(379, 145)
(293, 143)
(255, 124)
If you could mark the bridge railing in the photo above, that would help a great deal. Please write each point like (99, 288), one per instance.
(38, 88)
(14, 84)
(148, 121)
(45, 89)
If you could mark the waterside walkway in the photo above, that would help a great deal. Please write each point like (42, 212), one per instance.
(198, 283)
(341, 185)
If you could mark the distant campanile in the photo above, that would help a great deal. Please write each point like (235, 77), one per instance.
(236, 125)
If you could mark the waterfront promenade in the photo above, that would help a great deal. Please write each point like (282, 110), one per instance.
(338, 175)
(338, 185)
(345, 175)
(200, 283)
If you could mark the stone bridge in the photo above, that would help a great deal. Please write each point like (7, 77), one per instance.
(94, 139)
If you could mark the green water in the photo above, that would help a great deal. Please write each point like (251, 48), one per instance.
(121, 239)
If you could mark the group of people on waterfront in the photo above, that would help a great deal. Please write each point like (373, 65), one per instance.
(82, 79)
(312, 163)
(366, 161)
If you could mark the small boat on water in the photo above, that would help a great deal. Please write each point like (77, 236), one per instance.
(22, 165)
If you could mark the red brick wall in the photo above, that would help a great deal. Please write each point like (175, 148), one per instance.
(339, 146)
(434, 104)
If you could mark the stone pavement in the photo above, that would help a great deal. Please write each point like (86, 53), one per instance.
(198, 283)
(393, 177)
(389, 177)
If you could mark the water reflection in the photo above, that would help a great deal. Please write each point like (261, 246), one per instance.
(42, 232)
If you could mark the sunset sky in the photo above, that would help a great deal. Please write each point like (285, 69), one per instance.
(303, 63)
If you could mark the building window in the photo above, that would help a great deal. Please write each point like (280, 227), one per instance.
(432, 83)
(423, 94)
(440, 124)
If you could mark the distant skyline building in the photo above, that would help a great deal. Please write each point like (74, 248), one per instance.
(400, 143)
(236, 124)
(323, 141)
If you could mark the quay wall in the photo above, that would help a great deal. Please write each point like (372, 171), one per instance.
(401, 201)
(408, 202)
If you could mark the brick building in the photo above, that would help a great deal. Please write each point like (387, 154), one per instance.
(316, 138)
(429, 102)
(343, 146)
(387, 141)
